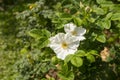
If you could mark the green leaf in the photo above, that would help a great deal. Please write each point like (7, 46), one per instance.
(78, 21)
(51, 79)
(108, 4)
(104, 24)
(99, 11)
(107, 24)
(100, 1)
(77, 61)
(105, 3)
(111, 39)
(93, 52)
(80, 53)
(94, 36)
(43, 42)
(60, 26)
(91, 58)
(101, 38)
(57, 6)
(108, 16)
(66, 16)
(46, 33)
(91, 19)
(115, 16)
(68, 58)
(70, 75)
(54, 60)
(23, 51)
(37, 33)
(67, 76)
(62, 76)
(64, 68)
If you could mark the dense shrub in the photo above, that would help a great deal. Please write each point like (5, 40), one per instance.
(96, 58)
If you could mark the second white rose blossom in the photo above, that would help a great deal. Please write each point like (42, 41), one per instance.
(63, 45)
(75, 31)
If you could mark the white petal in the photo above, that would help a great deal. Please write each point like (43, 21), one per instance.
(70, 38)
(57, 38)
(52, 39)
(61, 55)
(64, 53)
(80, 31)
(81, 38)
(54, 46)
(69, 27)
(71, 51)
(74, 45)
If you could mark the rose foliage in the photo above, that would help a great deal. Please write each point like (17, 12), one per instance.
(68, 40)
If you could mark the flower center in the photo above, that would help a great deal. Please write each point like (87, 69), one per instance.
(64, 45)
(74, 33)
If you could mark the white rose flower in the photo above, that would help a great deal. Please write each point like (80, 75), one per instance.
(75, 31)
(64, 44)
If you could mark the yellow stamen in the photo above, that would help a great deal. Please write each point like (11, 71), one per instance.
(74, 33)
(64, 45)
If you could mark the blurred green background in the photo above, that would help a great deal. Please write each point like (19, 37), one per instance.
(9, 42)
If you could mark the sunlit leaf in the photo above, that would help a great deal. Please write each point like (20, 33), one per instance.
(43, 42)
(115, 16)
(78, 21)
(80, 53)
(68, 57)
(101, 38)
(77, 61)
(100, 1)
(69, 76)
(93, 52)
(91, 58)
(108, 16)
(99, 11)
(37, 33)
(104, 24)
